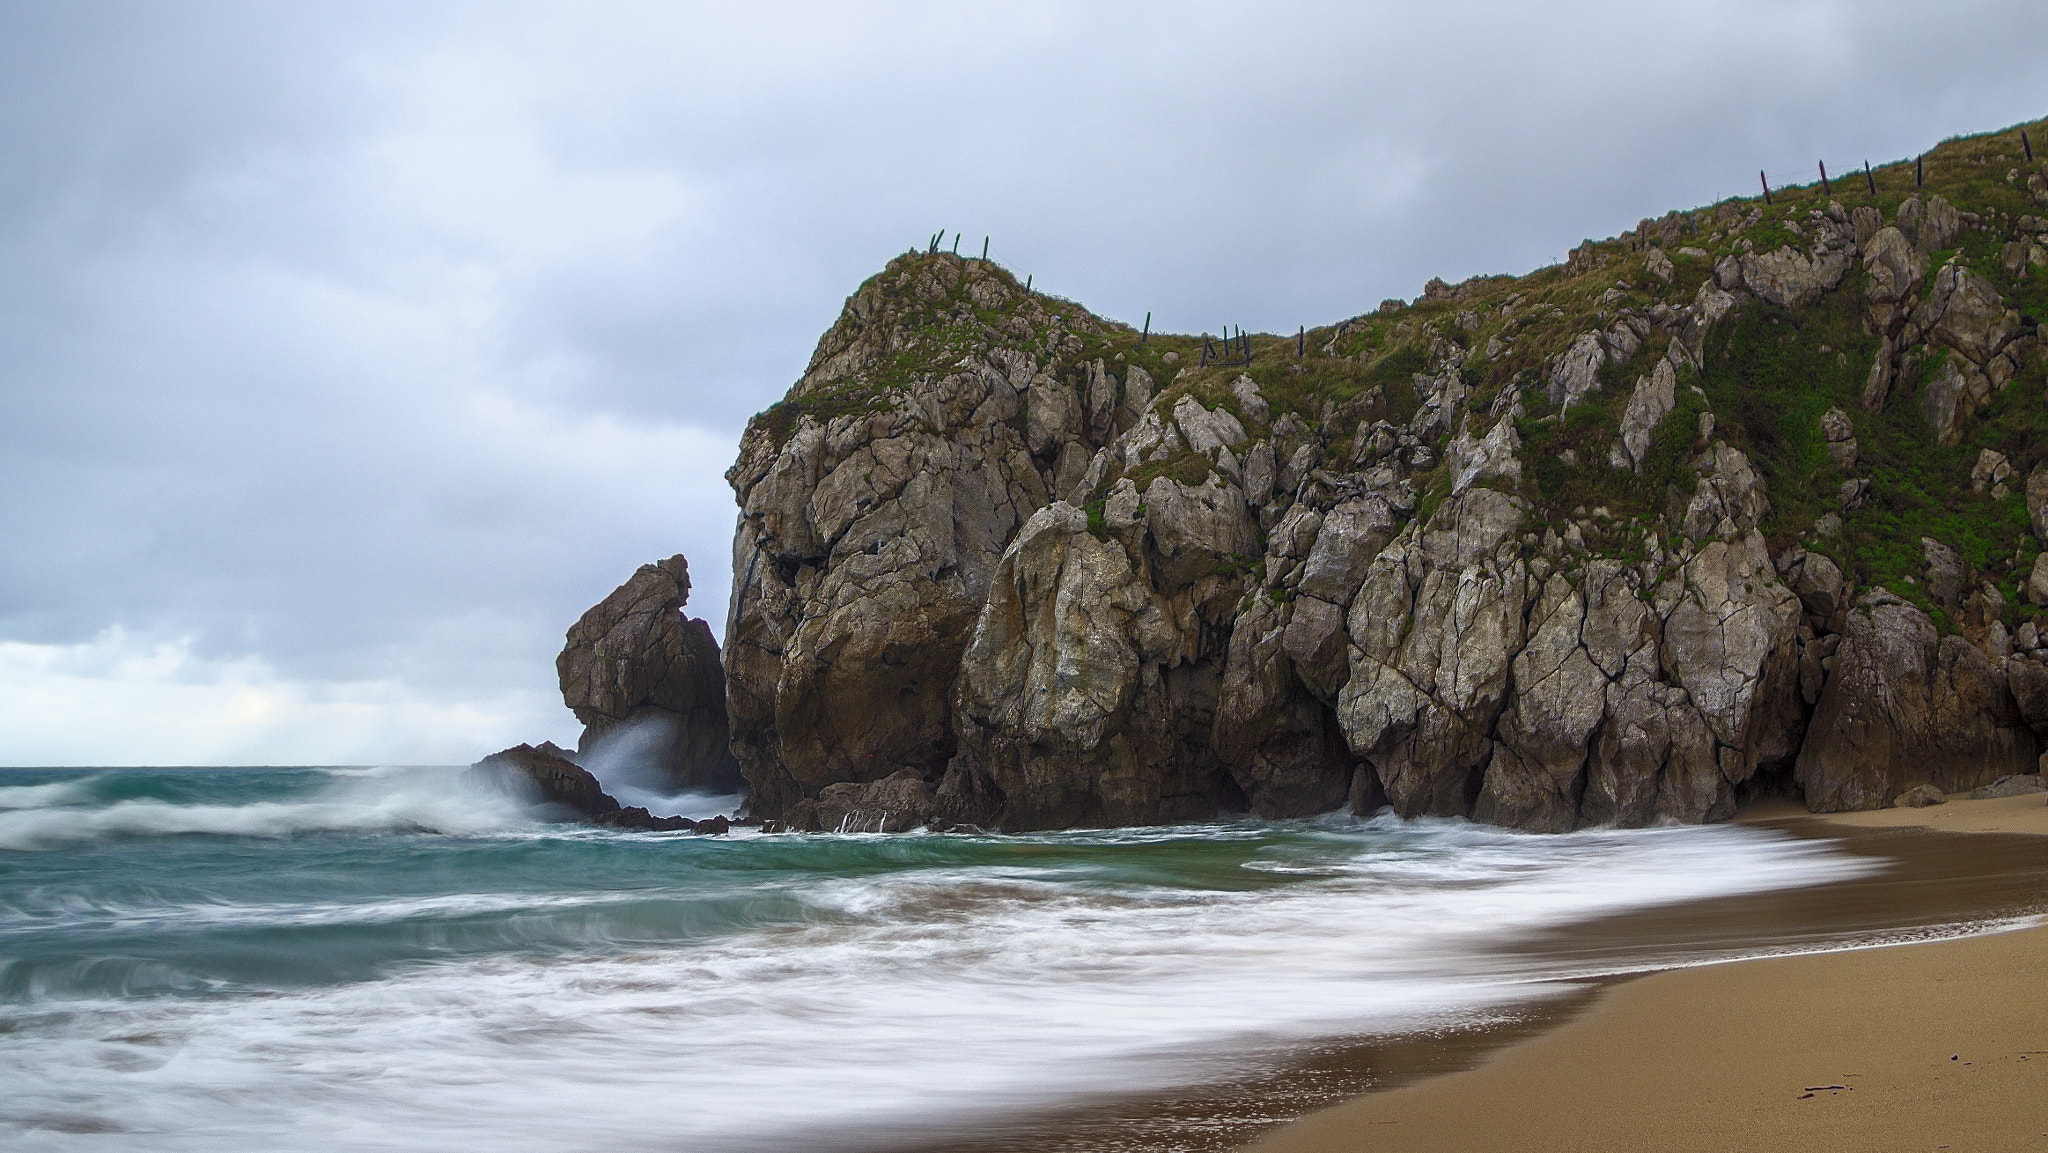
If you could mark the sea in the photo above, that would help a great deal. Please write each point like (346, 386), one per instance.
(393, 959)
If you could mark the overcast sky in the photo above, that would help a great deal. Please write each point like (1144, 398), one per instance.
(348, 352)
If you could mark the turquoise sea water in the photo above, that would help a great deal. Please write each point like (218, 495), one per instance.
(256, 959)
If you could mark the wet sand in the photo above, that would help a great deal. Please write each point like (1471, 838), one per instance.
(1446, 1086)
(1932, 1046)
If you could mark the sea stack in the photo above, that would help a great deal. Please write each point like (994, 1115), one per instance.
(634, 659)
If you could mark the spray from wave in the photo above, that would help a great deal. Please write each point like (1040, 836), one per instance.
(629, 763)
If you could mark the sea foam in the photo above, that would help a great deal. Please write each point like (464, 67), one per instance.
(577, 989)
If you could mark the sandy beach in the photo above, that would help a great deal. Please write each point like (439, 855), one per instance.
(1935, 1046)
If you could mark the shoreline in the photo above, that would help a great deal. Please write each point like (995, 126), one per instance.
(1744, 1053)
(1935, 882)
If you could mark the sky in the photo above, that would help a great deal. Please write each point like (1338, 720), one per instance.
(349, 351)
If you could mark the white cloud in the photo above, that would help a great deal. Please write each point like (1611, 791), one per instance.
(157, 703)
(362, 347)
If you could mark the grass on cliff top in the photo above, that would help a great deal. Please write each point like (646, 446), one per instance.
(1769, 374)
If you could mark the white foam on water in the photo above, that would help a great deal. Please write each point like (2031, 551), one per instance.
(434, 799)
(69, 792)
(916, 1000)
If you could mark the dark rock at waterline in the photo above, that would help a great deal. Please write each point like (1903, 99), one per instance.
(548, 771)
(640, 819)
(634, 659)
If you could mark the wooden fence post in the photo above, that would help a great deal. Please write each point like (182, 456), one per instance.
(984, 250)
(2028, 145)
(1919, 171)
(1301, 342)
(1869, 179)
(1824, 189)
(1766, 182)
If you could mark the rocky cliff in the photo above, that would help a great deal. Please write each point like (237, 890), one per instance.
(1745, 499)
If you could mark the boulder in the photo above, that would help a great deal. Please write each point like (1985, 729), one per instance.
(2016, 785)
(1791, 278)
(1840, 434)
(635, 661)
(897, 803)
(1942, 570)
(1655, 397)
(1919, 797)
(2037, 501)
(546, 774)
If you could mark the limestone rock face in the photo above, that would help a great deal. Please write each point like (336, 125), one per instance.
(990, 571)
(1903, 708)
(869, 531)
(634, 659)
(1792, 278)
(1081, 699)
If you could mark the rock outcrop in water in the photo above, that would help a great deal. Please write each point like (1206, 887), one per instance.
(635, 661)
(1619, 542)
(545, 774)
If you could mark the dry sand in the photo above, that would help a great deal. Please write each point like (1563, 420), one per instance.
(1932, 1046)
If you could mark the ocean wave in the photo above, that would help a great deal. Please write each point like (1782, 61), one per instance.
(78, 790)
(941, 980)
(61, 814)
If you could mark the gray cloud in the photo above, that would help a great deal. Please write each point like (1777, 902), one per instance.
(347, 353)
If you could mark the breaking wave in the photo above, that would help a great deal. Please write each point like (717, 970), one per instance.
(244, 960)
(63, 814)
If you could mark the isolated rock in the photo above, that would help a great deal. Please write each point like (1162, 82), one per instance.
(634, 659)
(1791, 278)
(1943, 571)
(1919, 797)
(1655, 397)
(2017, 785)
(2037, 501)
(1575, 371)
(1991, 469)
(897, 803)
(1840, 434)
(546, 774)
